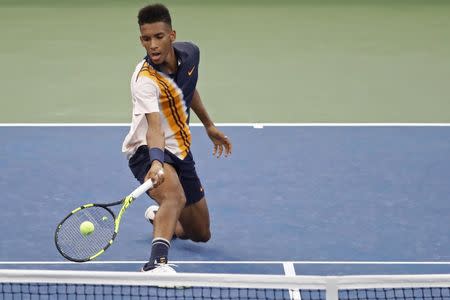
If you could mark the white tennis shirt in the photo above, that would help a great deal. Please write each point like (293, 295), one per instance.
(153, 91)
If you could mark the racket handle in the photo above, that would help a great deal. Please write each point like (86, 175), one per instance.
(142, 189)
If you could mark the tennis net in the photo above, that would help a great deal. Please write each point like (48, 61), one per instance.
(47, 284)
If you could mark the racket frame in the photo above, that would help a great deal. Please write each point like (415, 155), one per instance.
(126, 202)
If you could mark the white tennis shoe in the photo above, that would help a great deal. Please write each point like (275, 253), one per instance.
(161, 269)
(150, 213)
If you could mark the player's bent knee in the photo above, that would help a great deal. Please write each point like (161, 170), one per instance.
(175, 198)
(180, 198)
(202, 237)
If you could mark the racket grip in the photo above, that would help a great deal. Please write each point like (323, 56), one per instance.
(142, 189)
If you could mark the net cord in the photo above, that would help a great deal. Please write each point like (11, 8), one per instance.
(329, 283)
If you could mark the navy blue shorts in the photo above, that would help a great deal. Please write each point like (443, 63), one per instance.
(139, 164)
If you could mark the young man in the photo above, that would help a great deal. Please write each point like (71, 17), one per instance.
(163, 89)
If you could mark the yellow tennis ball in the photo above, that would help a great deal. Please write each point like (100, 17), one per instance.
(86, 228)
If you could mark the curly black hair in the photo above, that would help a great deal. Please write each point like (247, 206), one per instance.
(154, 13)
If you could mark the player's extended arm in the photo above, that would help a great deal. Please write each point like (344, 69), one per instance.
(155, 142)
(219, 140)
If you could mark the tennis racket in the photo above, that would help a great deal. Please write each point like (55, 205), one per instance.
(79, 247)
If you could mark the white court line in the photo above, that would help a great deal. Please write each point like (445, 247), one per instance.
(236, 262)
(254, 125)
(289, 270)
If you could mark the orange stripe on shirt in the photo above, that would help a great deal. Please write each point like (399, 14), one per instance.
(171, 102)
(145, 71)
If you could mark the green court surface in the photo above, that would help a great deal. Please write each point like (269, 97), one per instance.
(261, 61)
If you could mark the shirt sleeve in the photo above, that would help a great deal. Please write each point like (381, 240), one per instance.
(145, 97)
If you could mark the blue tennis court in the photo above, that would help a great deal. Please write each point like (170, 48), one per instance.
(314, 200)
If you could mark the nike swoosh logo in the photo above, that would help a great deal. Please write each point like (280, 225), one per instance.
(191, 71)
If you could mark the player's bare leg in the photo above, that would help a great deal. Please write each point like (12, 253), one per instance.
(195, 218)
(171, 199)
(194, 222)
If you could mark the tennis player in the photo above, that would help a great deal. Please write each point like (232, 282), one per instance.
(163, 89)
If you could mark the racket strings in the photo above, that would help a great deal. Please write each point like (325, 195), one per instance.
(78, 246)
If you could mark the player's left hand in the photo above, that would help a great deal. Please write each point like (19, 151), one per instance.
(220, 141)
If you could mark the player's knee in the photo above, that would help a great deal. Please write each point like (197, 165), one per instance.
(202, 237)
(176, 198)
(180, 198)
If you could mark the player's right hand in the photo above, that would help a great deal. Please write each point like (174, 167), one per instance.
(156, 173)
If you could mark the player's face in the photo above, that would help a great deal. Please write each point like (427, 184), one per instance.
(157, 39)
